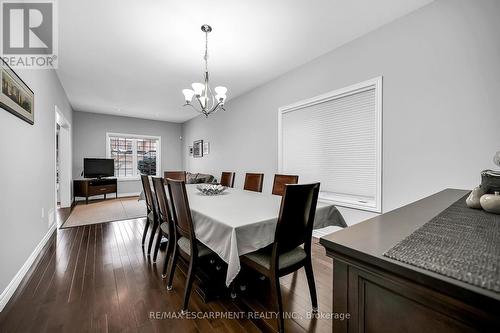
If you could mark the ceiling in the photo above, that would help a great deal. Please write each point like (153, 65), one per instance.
(133, 58)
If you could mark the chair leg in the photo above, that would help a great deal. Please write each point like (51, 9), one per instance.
(276, 293)
(189, 282)
(173, 264)
(152, 236)
(144, 233)
(312, 285)
(157, 245)
(170, 249)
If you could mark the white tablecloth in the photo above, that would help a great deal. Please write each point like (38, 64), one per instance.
(239, 222)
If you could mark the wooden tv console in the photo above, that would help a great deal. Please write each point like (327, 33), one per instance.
(89, 187)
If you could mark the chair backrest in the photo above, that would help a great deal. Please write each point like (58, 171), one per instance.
(146, 186)
(253, 182)
(281, 180)
(296, 217)
(162, 203)
(227, 179)
(180, 208)
(177, 175)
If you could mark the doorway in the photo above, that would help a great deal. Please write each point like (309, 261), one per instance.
(63, 169)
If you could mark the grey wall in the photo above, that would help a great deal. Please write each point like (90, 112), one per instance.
(441, 102)
(28, 168)
(89, 140)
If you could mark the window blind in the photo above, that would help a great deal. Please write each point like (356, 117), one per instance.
(335, 141)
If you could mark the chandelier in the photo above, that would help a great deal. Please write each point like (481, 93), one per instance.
(206, 101)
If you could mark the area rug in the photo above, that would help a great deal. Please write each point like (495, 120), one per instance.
(100, 211)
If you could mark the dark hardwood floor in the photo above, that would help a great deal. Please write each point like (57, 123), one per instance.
(97, 279)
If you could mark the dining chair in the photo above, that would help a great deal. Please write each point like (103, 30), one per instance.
(187, 246)
(227, 179)
(151, 217)
(166, 223)
(285, 255)
(281, 180)
(177, 175)
(253, 182)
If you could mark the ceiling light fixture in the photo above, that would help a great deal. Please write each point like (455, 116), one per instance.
(208, 101)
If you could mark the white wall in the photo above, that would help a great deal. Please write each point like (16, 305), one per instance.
(28, 163)
(89, 140)
(441, 102)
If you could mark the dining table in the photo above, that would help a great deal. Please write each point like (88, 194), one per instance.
(237, 222)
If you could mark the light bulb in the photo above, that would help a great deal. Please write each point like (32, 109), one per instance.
(188, 95)
(198, 88)
(221, 91)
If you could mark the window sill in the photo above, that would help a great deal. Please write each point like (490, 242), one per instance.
(354, 203)
(128, 179)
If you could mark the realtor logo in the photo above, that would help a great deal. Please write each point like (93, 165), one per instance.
(29, 34)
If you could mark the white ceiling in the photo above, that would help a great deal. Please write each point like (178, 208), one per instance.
(133, 57)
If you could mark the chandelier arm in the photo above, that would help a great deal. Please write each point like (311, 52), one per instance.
(215, 108)
(212, 98)
(199, 102)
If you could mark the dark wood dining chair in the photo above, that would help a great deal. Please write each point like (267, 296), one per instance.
(166, 224)
(177, 175)
(227, 179)
(253, 182)
(187, 245)
(281, 180)
(285, 255)
(151, 217)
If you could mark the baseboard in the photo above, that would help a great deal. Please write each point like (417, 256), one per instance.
(110, 196)
(131, 194)
(18, 278)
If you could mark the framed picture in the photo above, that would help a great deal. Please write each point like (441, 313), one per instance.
(16, 97)
(190, 150)
(198, 148)
(206, 148)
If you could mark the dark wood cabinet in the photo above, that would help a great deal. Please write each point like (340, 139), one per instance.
(385, 295)
(90, 187)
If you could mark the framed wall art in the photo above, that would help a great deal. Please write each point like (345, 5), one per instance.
(16, 97)
(198, 148)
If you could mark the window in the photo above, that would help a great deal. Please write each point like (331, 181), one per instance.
(336, 139)
(134, 154)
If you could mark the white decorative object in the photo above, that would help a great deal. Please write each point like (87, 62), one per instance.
(491, 203)
(208, 102)
(209, 189)
(496, 158)
(206, 148)
(473, 200)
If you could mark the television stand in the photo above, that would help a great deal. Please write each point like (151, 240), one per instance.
(90, 187)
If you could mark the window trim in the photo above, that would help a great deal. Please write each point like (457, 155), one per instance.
(332, 95)
(134, 156)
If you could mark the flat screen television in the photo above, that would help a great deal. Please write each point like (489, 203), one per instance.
(98, 167)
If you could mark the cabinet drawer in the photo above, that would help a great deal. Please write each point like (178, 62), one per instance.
(102, 189)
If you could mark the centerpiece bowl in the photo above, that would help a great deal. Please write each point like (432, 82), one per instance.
(211, 189)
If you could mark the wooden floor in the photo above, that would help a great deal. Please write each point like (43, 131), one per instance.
(96, 278)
